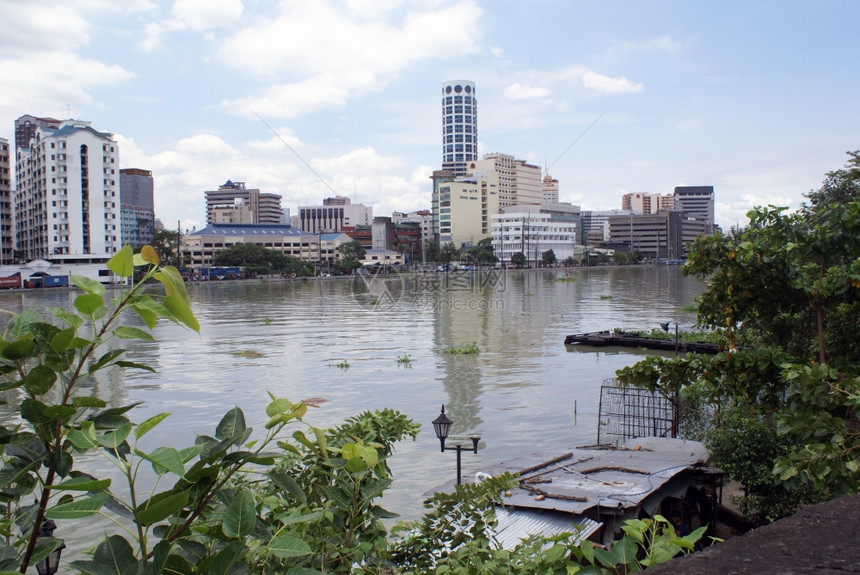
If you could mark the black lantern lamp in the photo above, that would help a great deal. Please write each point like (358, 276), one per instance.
(442, 425)
(50, 564)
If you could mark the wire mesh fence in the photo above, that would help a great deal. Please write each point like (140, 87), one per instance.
(628, 412)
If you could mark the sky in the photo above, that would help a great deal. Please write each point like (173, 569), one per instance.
(315, 98)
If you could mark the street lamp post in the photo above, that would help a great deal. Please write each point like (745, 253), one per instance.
(51, 563)
(442, 425)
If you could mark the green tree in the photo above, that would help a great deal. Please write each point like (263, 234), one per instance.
(165, 244)
(482, 253)
(785, 293)
(352, 251)
(518, 260)
(449, 253)
(548, 258)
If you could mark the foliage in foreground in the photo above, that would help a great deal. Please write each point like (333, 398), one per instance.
(784, 295)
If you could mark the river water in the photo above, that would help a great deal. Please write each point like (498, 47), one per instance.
(524, 391)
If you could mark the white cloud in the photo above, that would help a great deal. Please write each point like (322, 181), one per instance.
(330, 58)
(526, 92)
(602, 83)
(47, 81)
(497, 51)
(325, 91)
(201, 15)
(28, 26)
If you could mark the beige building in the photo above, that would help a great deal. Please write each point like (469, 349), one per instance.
(519, 181)
(199, 247)
(463, 207)
(549, 189)
(234, 203)
(642, 203)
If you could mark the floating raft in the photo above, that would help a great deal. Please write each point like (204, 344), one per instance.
(623, 339)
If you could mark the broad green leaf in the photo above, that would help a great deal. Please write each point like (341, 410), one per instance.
(134, 365)
(122, 263)
(241, 516)
(231, 424)
(78, 509)
(146, 426)
(114, 439)
(19, 325)
(87, 401)
(70, 318)
(88, 303)
(18, 349)
(287, 519)
(173, 283)
(164, 459)
(106, 359)
(288, 484)
(64, 412)
(224, 561)
(90, 286)
(278, 405)
(149, 255)
(83, 484)
(181, 310)
(287, 546)
(113, 556)
(143, 309)
(84, 438)
(40, 380)
(63, 340)
(61, 462)
(161, 506)
(127, 332)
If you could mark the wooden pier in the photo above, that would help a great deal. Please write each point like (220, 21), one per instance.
(623, 339)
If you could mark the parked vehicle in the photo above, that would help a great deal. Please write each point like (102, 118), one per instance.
(10, 282)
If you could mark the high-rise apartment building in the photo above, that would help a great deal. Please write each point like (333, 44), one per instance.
(25, 128)
(459, 126)
(6, 245)
(66, 201)
(519, 182)
(137, 207)
(234, 203)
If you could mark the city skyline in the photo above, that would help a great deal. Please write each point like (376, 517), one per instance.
(319, 99)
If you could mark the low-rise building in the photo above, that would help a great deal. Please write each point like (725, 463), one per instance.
(535, 229)
(199, 247)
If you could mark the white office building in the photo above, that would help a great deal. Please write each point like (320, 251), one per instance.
(66, 201)
(529, 230)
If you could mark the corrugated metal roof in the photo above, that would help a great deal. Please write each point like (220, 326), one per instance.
(249, 230)
(517, 524)
(586, 479)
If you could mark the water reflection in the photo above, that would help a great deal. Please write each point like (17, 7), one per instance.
(518, 393)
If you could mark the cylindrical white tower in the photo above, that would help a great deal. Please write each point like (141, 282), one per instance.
(459, 126)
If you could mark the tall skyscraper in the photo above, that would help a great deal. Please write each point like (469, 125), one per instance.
(137, 209)
(459, 126)
(66, 201)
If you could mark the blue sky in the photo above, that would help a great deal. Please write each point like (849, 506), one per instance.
(315, 97)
